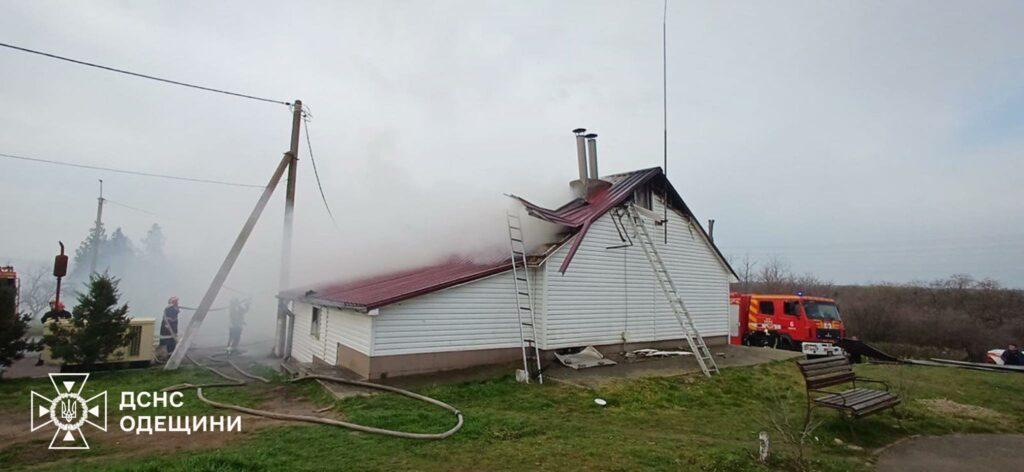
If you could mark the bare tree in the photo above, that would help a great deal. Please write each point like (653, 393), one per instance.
(774, 275)
(794, 429)
(38, 287)
(747, 272)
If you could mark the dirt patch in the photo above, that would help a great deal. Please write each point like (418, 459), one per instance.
(24, 447)
(947, 407)
(281, 401)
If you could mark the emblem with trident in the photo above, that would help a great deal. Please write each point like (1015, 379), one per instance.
(69, 410)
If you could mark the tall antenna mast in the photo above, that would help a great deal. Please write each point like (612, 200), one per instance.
(664, 112)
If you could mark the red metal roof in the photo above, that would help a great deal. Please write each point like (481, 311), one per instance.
(579, 214)
(381, 290)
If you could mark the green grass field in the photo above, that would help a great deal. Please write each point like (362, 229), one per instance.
(685, 422)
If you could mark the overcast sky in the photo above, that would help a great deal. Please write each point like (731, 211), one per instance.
(860, 141)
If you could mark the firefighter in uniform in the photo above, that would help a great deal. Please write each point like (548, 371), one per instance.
(237, 310)
(56, 313)
(169, 326)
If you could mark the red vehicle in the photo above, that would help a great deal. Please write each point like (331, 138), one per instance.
(9, 278)
(783, 321)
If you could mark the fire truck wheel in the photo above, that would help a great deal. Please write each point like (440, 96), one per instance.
(757, 340)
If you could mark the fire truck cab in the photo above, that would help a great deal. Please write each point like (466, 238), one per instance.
(9, 280)
(783, 321)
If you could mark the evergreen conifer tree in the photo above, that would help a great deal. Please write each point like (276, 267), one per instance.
(13, 327)
(97, 327)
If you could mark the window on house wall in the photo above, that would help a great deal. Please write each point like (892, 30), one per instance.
(766, 307)
(642, 197)
(314, 325)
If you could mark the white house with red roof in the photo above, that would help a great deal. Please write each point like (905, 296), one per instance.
(592, 286)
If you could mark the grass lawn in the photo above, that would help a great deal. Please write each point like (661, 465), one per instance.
(685, 422)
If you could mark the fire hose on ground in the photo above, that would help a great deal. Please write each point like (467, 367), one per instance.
(237, 382)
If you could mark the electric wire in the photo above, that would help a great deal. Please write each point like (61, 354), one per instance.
(129, 207)
(316, 173)
(144, 76)
(131, 172)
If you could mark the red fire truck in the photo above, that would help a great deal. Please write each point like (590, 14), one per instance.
(783, 321)
(9, 278)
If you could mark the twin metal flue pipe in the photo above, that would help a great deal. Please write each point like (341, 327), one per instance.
(586, 155)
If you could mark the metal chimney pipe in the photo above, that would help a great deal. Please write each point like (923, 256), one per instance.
(592, 154)
(711, 231)
(581, 154)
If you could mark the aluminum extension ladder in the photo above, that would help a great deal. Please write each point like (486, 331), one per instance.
(693, 337)
(524, 300)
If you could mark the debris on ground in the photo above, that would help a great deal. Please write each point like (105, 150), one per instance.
(643, 353)
(980, 365)
(586, 358)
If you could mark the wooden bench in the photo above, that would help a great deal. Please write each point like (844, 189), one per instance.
(836, 370)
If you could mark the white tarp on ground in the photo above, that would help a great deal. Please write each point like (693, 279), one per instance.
(588, 357)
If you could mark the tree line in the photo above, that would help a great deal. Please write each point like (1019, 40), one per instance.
(957, 313)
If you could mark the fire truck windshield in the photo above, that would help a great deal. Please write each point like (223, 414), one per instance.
(821, 310)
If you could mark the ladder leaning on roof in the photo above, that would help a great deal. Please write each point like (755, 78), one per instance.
(524, 300)
(697, 345)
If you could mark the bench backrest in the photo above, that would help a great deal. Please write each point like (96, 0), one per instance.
(826, 371)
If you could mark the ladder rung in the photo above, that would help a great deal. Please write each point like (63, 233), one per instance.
(527, 340)
(520, 278)
(524, 293)
(527, 324)
(525, 308)
(517, 240)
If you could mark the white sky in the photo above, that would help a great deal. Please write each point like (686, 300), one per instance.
(860, 141)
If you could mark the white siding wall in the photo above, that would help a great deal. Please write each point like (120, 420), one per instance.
(477, 315)
(347, 327)
(610, 295)
(303, 345)
(607, 296)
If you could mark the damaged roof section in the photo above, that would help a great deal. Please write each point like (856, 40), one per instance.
(579, 214)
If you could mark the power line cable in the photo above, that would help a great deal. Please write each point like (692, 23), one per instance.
(129, 207)
(309, 148)
(131, 172)
(144, 76)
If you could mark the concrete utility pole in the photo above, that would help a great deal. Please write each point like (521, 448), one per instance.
(96, 231)
(284, 321)
(288, 162)
(225, 267)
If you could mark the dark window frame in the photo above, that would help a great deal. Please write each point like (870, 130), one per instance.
(644, 198)
(314, 322)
